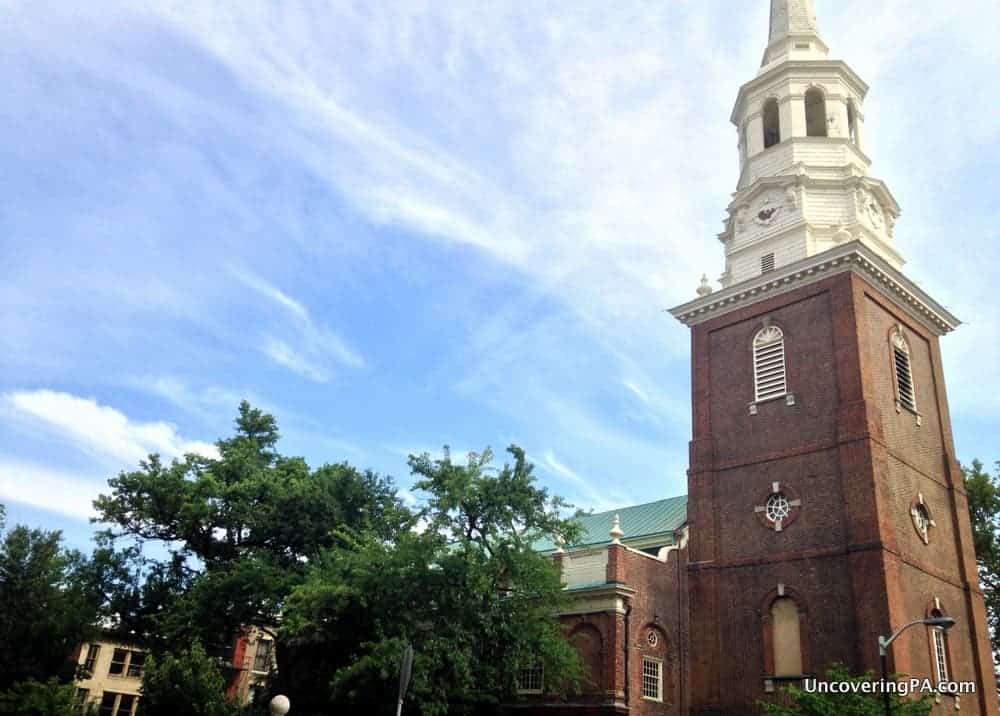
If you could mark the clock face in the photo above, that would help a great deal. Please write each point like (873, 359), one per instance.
(767, 210)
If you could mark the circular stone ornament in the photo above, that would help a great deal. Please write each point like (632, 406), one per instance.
(779, 507)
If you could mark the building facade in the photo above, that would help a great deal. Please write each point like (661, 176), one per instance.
(111, 676)
(111, 671)
(825, 503)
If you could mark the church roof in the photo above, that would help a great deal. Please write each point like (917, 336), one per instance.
(649, 524)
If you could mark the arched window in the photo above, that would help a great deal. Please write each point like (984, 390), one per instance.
(772, 123)
(939, 649)
(786, 637)
(852, 123)
(906, 396)
(653, 643)
(769, 364)
(815, 113)
(588, 643)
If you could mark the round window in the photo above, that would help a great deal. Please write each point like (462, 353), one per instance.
(777, 507)
(652, 638)
(922, 521)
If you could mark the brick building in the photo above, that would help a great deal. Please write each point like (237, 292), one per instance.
(825, 504)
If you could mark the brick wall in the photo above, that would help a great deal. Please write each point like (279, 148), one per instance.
(613, 641)
(852, 560)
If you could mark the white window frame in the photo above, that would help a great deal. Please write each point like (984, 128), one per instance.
(267, 657)
(655, 665)
(770, 376)
(117, 703)
(91, 657)
(535, 680)
(901, 359)
(126, 664)
(940, 654)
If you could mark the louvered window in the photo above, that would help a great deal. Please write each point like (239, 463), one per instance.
(905, 394)
(767, 263)
(769, 364)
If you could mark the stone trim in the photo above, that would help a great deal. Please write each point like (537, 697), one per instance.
(853, 256)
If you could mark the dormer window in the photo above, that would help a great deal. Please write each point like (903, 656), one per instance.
(815, 113)
(769, 364)
(772, 123)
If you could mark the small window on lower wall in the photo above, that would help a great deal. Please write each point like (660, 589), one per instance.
(529, 678)
(652, 679)
(786, 637)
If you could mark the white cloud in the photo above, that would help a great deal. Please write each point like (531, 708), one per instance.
(316, 349)
(207, 402)
(604, 498)
(40, 486)
(99, 430)
(635, 390)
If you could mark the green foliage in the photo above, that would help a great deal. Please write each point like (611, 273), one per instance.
(47, 606)
(41, 698)
(984, 512)
(183, 683)
(468, 592)
(252, 520)
(802, 703)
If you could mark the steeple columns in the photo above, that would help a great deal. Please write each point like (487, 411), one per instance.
(804, 185)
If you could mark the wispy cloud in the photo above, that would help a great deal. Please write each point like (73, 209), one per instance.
(593, 497)
(35, 484)
(98, 430)
(317, 350)
(635, 390)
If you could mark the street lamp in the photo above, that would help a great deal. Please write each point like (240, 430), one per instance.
(279, 705)
(883, 649)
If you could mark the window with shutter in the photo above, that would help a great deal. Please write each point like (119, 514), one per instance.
(905, 394)
(769, 364)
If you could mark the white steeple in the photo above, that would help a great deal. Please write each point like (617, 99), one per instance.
(805, 204)
(804, 185)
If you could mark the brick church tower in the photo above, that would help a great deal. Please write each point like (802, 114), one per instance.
(826, 506)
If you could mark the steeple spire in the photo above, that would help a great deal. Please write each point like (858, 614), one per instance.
(792, 17)
(793, 33)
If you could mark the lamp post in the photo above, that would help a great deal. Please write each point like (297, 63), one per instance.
(883, 649)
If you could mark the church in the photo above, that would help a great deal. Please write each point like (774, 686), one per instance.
(825, 504)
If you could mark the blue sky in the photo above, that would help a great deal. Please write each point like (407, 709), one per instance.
(398, 225)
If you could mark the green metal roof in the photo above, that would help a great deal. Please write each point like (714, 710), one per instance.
(641, 524)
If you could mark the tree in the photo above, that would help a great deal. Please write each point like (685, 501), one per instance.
(469, 592)
(46, 606)
(42, 698)
(243, 526)
(984, 513)
(185, 683)
(803, 703)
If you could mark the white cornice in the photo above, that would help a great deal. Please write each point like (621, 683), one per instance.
(802, 68)
(852, 256)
